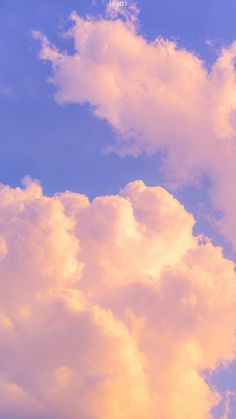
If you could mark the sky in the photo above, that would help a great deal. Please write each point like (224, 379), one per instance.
(117, 209)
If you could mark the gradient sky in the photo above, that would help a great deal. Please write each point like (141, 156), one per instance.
(64, 146)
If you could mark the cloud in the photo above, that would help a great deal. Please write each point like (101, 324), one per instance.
(157, 97)
(110, 308)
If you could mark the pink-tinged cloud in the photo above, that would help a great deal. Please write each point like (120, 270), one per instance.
(157, 97)
(109, 309)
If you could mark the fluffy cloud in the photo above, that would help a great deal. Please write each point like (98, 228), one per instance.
(157, 97)
(109, 309)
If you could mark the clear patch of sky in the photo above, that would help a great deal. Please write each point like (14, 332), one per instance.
(202, 26)
(223, 379)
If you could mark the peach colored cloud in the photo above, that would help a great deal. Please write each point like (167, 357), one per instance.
(157, 97)
(109, 309)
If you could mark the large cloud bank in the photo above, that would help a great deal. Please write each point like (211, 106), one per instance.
(110, 309)
(158, 98)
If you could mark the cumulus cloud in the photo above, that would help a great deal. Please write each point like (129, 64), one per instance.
(109, 309)
(157, 97)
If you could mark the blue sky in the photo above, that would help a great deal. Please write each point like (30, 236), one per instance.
(34, 130)
(64, 146)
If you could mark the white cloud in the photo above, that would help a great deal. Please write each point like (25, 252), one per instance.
(157, 97)
(109, 309)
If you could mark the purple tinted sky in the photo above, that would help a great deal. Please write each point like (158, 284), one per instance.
(63, 146)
